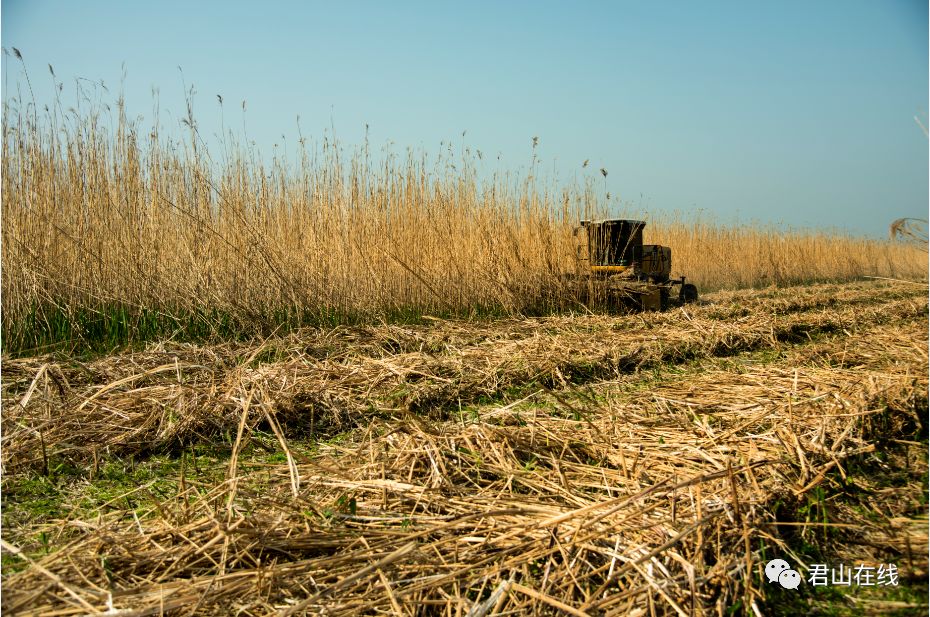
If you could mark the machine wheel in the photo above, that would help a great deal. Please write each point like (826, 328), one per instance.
(688, 294)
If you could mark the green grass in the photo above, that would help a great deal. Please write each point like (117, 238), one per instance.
(89, 332)
(84, 331)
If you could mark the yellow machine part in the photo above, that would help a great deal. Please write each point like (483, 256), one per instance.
(610, 269)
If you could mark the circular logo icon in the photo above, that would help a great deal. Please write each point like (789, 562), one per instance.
(790, 579)
(774, 568)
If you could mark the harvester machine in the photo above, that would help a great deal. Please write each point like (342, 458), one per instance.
(622, 272)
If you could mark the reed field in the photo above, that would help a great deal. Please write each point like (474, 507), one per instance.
(113, 233)
(579, 464)
(362, 383)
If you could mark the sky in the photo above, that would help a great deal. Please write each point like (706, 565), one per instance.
(792, 113)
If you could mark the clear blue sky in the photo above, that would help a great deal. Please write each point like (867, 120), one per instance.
(797, 113)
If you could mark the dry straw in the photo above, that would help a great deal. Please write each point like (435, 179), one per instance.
(585, 496)
(124, 223)
(332, 380)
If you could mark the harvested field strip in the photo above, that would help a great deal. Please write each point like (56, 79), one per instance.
(656, 499)
(323, 383)
(654, 492)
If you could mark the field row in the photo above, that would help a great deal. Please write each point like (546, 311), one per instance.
(593, 465)
(327, 381)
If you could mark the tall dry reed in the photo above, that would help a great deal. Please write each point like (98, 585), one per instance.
(106, 224)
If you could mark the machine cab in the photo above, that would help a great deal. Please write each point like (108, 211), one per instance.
(615, 246)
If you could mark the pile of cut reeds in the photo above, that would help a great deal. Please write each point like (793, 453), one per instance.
(589, 494)
(323, 382)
